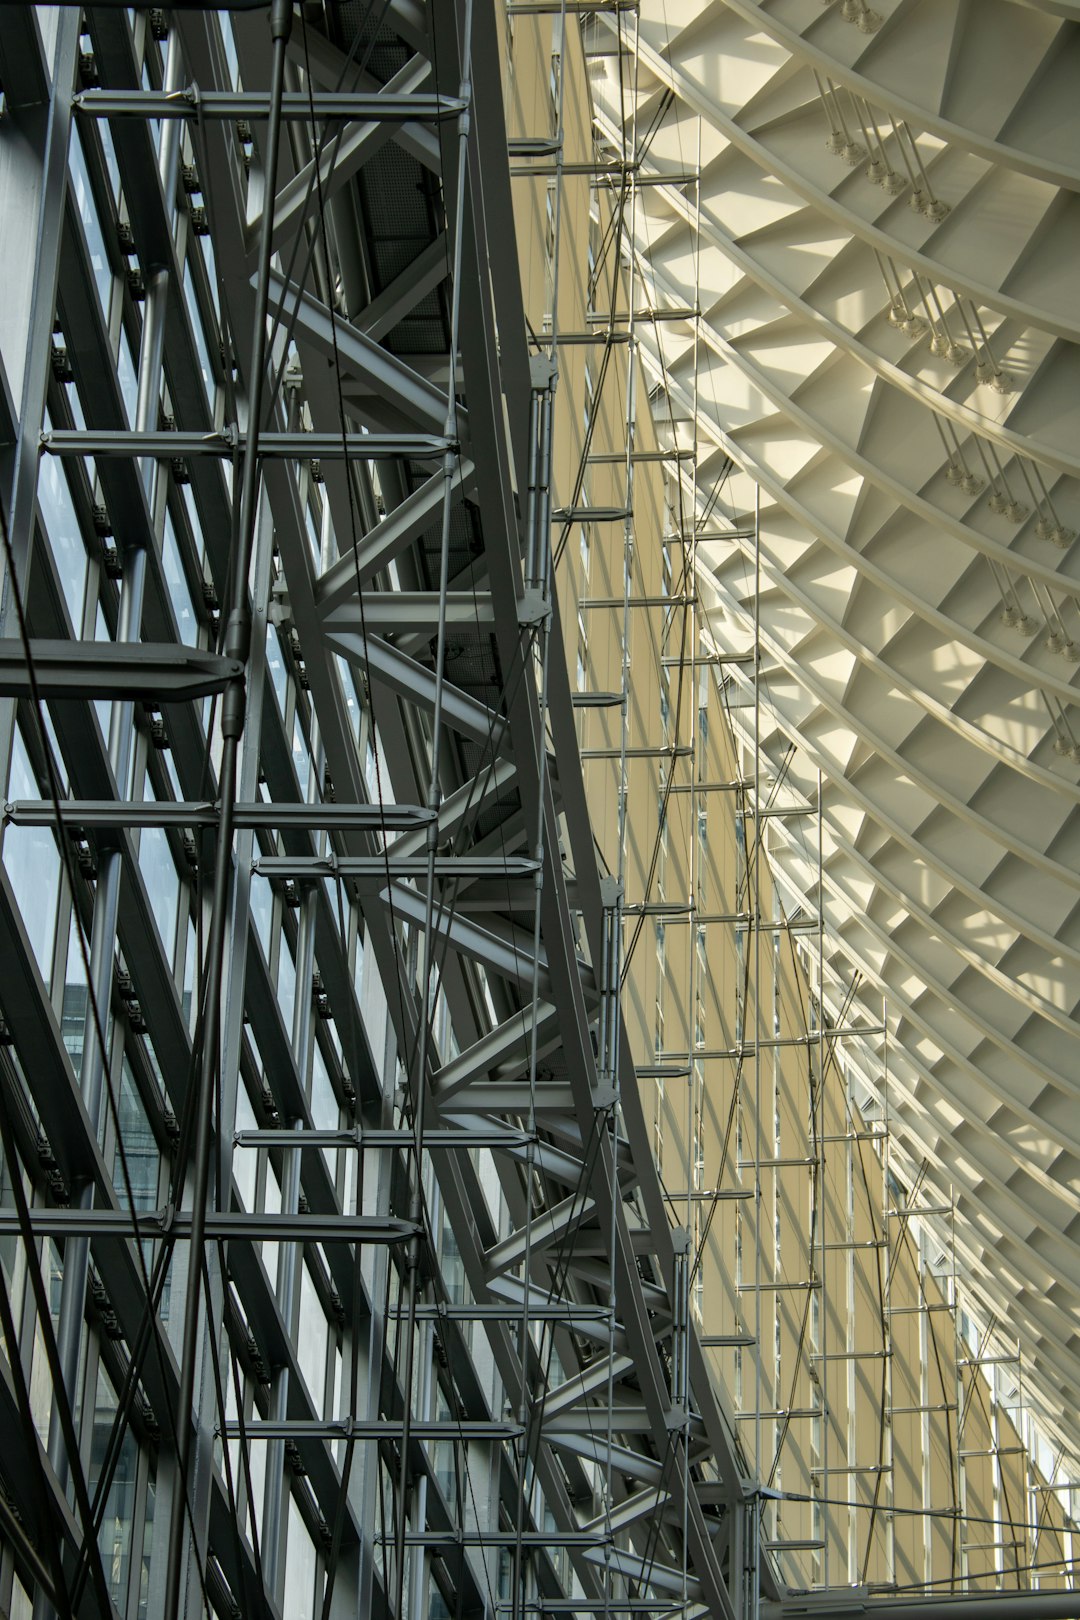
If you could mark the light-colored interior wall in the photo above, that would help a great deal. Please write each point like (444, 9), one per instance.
(852, 1321)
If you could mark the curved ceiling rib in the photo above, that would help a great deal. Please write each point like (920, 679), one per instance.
(882, 247)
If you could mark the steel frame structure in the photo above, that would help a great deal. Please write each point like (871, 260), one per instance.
(392, 977)
(388, 515)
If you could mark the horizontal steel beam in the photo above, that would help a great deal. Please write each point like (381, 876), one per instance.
(618, 602)
(433, 1141)
(571, 8)
(97, 813)
(347, 1428)
(434, 1539)
(259, 1228)
(606, 1605)
(381, 868)
(105, 669)
(602, 171)
(569, 1312)
(591, 514)
(597, 700)
(619, 458)
(250, 104)
(169, 446)
(636, 753)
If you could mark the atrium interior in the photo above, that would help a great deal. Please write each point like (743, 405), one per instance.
(540, 867)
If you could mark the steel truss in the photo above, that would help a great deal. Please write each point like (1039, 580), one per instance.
(380, 379)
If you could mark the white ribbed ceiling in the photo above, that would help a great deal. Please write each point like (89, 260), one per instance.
(885, 251)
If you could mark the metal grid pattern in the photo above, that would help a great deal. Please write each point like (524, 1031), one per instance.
(887, 344)
(318, 1110)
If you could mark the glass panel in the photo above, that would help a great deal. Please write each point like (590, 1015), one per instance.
(275, 664)
(193, 518)
(73, 1010)
(40, 1376)
(111, 165)
(102, 706)
(63, 534)
(128, 376)
(116, 1526)
(271, 1206)
(162, 883)
(312, 1339)
(33, 866)
(199, 334)
(262, 910)
(95, 240)
(301, 761)
(191, 968)
(147, 1549)
(21, 1606)
(245, 1160)
(299, 1570)
(140, 1148)
(203, 245)
(176, 580)
(286, 984)
(325, 1115)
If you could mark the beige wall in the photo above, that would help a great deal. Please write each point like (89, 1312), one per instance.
(872, 1342)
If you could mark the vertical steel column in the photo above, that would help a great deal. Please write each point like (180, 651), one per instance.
(451, 466)
(822, 1192)
(961, 1398)
(233, 982)
(695, 1104)
(890, 1260)
(758, 851)
(237, 645)
(608, 1024)
(289, 1263)
(613, 891)
(537, 613)
(848, 1252)
(288, 1260)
